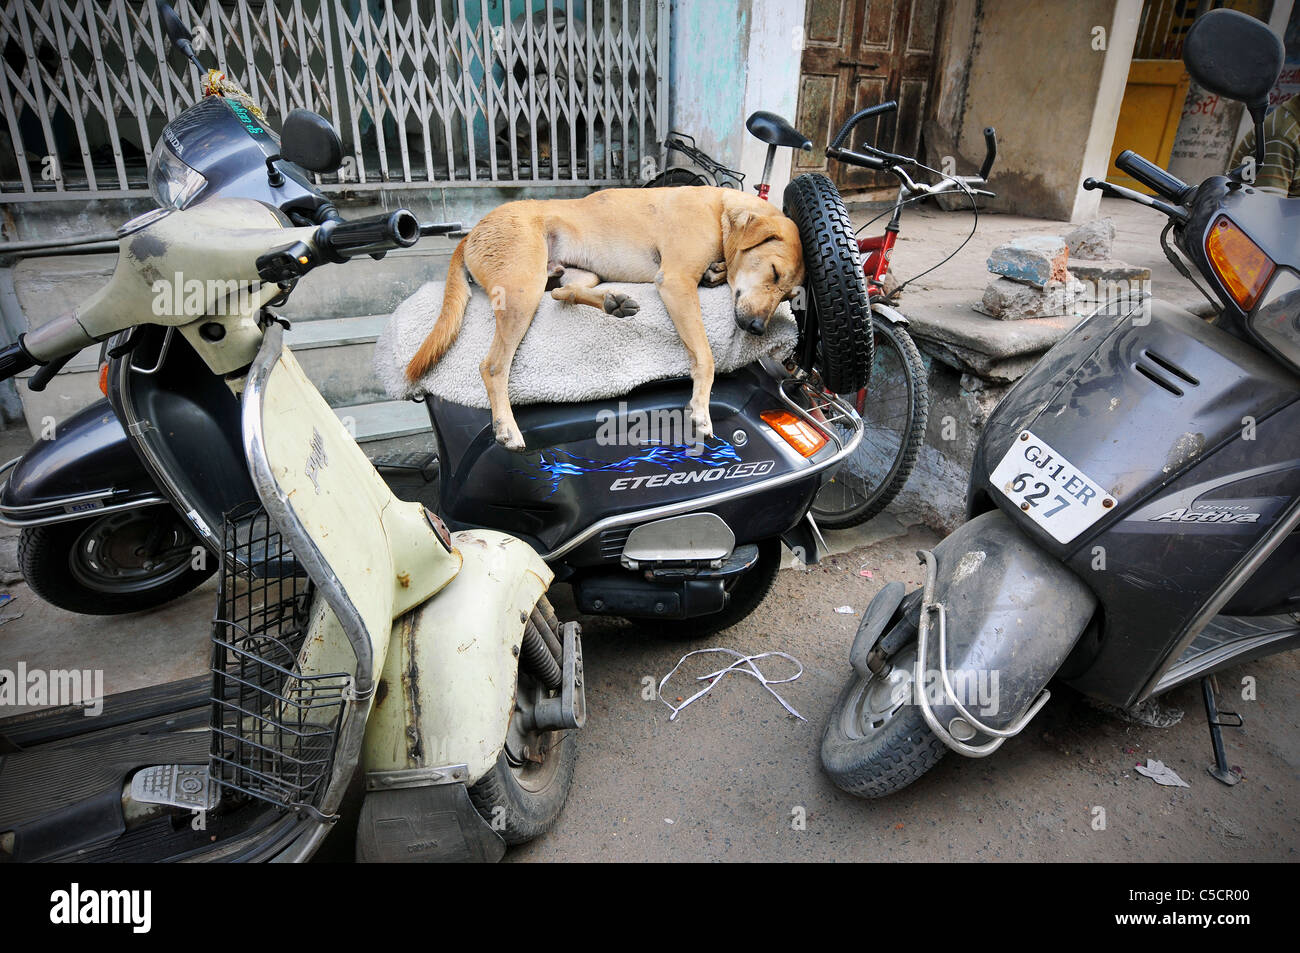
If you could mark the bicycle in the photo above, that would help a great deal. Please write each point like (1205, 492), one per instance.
(895, 418)
(873, 475)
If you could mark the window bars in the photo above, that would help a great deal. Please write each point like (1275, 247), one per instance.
(442, 93)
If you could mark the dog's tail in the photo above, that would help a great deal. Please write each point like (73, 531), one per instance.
(455, 298)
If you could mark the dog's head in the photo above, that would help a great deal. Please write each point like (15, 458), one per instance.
(764, 264)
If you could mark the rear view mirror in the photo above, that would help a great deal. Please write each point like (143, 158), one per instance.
(176, 30)
(308, 140)
(1234, 55)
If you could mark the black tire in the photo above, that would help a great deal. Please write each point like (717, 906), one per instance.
(745, 595)
(894, 412)
(518, 810)
(676, 176)
(837, 313)
(64, 563)
(879, 748)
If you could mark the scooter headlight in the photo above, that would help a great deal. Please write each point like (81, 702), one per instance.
(172, 183)
(1276, 322)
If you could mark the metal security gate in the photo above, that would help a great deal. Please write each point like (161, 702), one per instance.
(445, 93)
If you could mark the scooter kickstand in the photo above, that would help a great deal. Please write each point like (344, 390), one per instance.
(1219, 770)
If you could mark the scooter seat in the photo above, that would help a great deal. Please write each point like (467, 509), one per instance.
(775, 131)
(571, 353)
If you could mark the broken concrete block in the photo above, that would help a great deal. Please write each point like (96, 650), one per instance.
(1092, 240)
(1012, 301)
(1034, 260)
(1108, 270)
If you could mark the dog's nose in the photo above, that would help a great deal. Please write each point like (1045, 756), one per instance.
(757, 326)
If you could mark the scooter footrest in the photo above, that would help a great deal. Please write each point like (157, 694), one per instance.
(185, 786)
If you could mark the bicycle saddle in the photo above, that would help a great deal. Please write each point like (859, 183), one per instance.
(775, 131)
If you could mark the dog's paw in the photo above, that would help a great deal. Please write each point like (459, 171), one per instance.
(620, 305)
(508, 436)
(702, 423)
(716, 275)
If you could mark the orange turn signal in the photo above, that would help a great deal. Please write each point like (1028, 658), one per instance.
(103, 379)
(1240, 264)
(799, 434)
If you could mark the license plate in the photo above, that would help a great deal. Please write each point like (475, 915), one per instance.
(1049, 489)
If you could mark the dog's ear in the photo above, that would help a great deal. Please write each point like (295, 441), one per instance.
(742, 229)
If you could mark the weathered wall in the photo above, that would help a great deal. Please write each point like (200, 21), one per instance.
(1049, 76)
(728, 58)
(708, 47)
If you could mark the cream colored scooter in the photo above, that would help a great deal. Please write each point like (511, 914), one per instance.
(361, 653)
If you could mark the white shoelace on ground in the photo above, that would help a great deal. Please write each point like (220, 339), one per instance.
(744, 664)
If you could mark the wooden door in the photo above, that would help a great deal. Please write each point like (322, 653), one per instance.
(858, 53)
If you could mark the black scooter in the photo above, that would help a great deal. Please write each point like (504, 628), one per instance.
(1134, 499)
(687, 535)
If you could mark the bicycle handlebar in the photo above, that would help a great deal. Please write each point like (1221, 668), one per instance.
(990, 151)
(859, 116)
(856, 158)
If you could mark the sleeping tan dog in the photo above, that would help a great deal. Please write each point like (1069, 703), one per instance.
(675, 237)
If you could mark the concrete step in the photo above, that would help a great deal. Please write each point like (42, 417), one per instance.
(338, 356)
(384, 420)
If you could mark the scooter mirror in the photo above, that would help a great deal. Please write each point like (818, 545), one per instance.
(177, 32)
(308, 140)
(1234, 55)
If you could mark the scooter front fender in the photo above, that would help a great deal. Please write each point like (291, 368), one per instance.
(447, 691)
(1003, 616)
(88, 465)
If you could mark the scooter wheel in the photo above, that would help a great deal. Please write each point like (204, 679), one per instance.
(522, 802)
(122, 562)
(837, 311)
(876, 742)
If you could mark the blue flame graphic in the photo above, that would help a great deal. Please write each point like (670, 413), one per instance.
(557, 464)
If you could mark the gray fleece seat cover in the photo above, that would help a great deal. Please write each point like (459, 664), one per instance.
(571, 352)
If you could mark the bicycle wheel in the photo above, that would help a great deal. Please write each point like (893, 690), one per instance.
(675, 176)
(893, 413)
(834, 325)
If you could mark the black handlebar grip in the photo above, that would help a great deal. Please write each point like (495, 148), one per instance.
(14, 359)
(1153, 177)
(849, 157)
(373, 235)
(887, 106)
(46, 374)
(440, 228)
(990, 151)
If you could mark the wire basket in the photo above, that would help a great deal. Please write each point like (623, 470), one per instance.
(274, 729)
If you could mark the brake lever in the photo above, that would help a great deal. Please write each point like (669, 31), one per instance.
(45, 373)
(129, 344)
(1119, 192)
